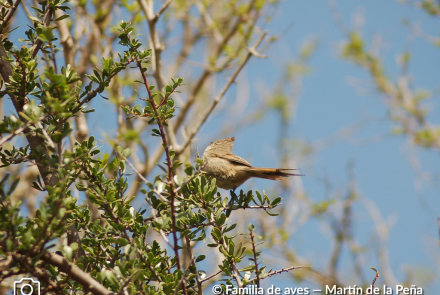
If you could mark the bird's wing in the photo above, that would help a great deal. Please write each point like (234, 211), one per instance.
(234, 159)
(222, 146)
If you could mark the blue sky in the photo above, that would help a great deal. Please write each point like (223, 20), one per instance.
(329, 103)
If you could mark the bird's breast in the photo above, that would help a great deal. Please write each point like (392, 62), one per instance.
(227, 175)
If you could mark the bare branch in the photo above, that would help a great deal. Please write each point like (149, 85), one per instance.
(220, 95)
(213, 275)
(279, 271)
(161, 10)
(83, 278)
(205, 75)
(15, 133)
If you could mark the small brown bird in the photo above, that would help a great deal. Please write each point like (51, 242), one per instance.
(231, 171)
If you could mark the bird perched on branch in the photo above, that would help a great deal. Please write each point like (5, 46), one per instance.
(231, 171)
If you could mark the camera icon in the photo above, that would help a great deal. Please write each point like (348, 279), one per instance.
(27, 286)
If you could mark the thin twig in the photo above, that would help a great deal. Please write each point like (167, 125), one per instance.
(251, 207)
(161, 10)
(170, 170)
(49, 140)
(127, 281)
(13, 134)
(375, 278)
(18, 131)
(254, 251)
(279, 271)
(213, 275)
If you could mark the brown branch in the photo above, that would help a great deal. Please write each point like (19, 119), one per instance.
(170, 171)
(73, 271)
(8, 18)
(375, 278)
(213, 275)
(41, 275)
(127, 281)
(147, 9)
(169, 164)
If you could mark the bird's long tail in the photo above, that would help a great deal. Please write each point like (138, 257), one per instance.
(271, 173)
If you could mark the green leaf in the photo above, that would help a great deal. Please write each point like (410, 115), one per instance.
(80, 187)
(126, 152)
(90, 142)
(122, 166)
(123, 242)
(271, 214)
(259, 197)
(275, 202)
(189, 169)
(248, 268)
(88, 111)
(230, 228)
(62, 17)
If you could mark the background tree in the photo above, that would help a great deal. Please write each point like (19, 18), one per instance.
(135, 216)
